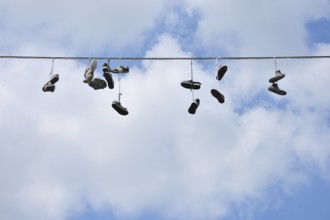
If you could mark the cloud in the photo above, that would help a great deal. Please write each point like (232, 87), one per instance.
(256, 27)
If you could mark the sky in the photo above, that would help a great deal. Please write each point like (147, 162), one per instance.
(68, 155)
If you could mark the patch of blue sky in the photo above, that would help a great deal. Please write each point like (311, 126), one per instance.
(262, 99)
(90, 214)
(110, 214)
(318, 31)
(179, 24)
(303, 203)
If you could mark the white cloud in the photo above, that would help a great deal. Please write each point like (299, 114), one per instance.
(257, 27)
(83, 27)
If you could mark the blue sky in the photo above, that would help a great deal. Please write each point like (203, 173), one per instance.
(68, 155)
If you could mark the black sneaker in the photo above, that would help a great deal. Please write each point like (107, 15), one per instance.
(189, 84)
(221, 72)
(193, 107)
(107, 75)
(277, 77)
(119, 108)
(275, 89)
(120, 69)
(97, 84)
(218, 95)
(54, 79)
(48, 87)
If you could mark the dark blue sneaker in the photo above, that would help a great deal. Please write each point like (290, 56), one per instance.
(193, 107)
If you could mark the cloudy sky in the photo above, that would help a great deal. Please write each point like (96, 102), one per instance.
(68, 155)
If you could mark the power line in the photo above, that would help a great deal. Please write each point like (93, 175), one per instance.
(165, 58)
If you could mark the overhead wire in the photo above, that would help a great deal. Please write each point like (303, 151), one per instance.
(165, 58)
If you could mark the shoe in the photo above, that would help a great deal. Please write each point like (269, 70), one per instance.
(97, 84)
(193, 107)
(120, 69)
(221, 72)
(189, 84)
(89, 72)
(107, 75)
(218, 95)
(119, 108)
(48, 87)
(277, 77)
(274, 88)
(54, 79)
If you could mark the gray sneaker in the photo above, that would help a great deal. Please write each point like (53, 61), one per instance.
(277, 77)
(89, 72)
(97, 84)
(275, 89)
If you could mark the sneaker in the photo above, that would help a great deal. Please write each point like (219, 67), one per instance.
(119, 108)
(189, 84)
(120, 69)
(193, 107)
(97, 84)
(218, 95)
(107, 75)
(221, 72)
(89, 72)
(277, 77)
(54, 79)
(48, 87)
(275, 89)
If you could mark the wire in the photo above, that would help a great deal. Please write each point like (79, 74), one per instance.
(165, 58)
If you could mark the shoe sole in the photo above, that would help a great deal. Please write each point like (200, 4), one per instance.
(54, 79)
(121, 111)
(221, 72)
(276, 78)
(109, 80)
(48, 88)
(93, 65)
(193, 107)
(279, 92)
(89, 78)
(97, 84)
(191, 86)
(218, 95)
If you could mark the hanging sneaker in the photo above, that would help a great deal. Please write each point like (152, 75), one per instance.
(218, 95)
(221, 72)
(193, 107)
(120, 69)
(189, 84)
(54, 79)
(89, 72)
(97, 84)
(107, 75)
(119, 108)
(275, 89)
(277, 77)
(48, 87)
